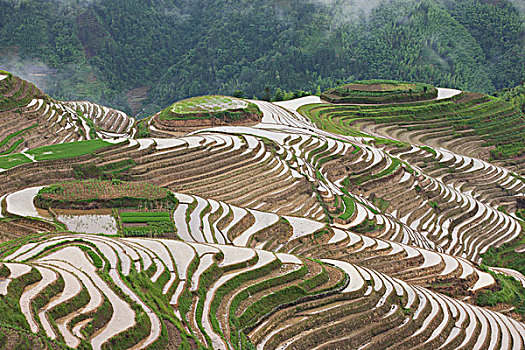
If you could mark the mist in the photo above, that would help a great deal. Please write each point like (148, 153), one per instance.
(32, 70)
(349, 11)
(519, 4)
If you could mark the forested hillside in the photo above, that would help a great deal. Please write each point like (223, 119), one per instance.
(141, 56)
(515, 95)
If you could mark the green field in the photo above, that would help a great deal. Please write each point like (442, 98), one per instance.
(53, 152)
(10, 161)
(67, 150)
(13, 135)
(349, 208)
(203, 104)
(141, 219)
(151, 224)
(145, 214)
(205, 107)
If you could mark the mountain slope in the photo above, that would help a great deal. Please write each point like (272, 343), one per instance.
(323, 226)
(147, 55)
(29, 118)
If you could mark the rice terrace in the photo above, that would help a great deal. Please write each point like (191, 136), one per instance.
(377, 215)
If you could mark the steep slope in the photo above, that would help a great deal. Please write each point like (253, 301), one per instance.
(515, 95)
(219, 290)
(316, 229)
(29, 118)
(140, 57)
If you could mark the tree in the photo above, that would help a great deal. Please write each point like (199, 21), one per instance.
(279, 95)
(238, 94)
(267, 95)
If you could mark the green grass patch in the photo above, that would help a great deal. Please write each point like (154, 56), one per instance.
(54, 152)
(10, 303)
(143, 130)
(153, 224)
(349, 208)
(13, 147)
(508, 291)
(15, 134)
(144, 214)
(12, 160)
(205, 107)
(4, 271)
(67, 150)
(203, 104)
(142, 219)
(506, 255)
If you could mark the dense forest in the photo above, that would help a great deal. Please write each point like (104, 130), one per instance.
(142, 55)
(515, 95)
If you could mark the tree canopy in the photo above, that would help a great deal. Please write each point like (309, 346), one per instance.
(159, 51)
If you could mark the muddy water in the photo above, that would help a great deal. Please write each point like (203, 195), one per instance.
(88, 221)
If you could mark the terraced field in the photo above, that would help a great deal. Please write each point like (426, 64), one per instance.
(380, 92)
(321, 227)
(204, 111)
(30, 119)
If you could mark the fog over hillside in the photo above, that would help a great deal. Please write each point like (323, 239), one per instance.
(142, 56)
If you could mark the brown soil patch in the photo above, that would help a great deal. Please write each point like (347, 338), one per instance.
(174, 337)
(135, 98)
(190, 125)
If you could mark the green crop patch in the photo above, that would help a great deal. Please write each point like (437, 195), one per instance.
(202, 104)
(349, 208)
(142, 219)
(13, 147)
(145, 215)
(15, 134)
(223, 108)
(53, 152)
(68, 150)
(12, 160)
(146, 224)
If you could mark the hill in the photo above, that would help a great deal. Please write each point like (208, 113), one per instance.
(471, 124)
(29, 118)
(380, 92)
(140, 57)
(366, 225)
(206, 111)
(515, 95)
